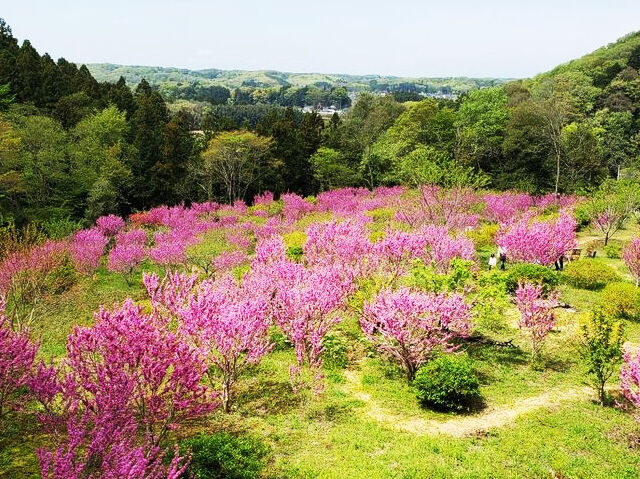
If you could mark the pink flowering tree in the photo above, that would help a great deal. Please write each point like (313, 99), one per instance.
(295, 206)
(17, 356)
(129, 251)
(630, 380)
(125, 383)
(305, 305)
(541, 242)
(24, 279)
(536, 315)
(87, 247)
(452, 207)
(345, 244)
(631, 257)
(110, 225)
(505, 206)
(229, 326)
(408, 326)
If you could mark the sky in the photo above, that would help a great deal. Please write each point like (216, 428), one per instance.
(490, 38)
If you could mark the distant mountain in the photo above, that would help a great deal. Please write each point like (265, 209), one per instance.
(163, 78)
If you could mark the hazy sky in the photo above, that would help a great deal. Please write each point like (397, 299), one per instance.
(502, 38)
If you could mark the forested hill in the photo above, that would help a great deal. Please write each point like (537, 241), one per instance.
(288, 89)
(73, 147)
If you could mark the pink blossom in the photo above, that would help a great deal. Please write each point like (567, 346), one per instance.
(407, 326)
(630, 379)
(228, 260)
(542, 242)
(17, 356)
(110, 225)
(536, 314)
(87, 247)
(631, 257)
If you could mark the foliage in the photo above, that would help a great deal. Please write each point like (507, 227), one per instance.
(613, 251)
(334, 351)
(223, 456)
(589, 274)
(621, 300)
(531, 273)
(448, 383)
(601, 349)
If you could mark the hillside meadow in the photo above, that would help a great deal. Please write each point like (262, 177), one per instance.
(319, 289)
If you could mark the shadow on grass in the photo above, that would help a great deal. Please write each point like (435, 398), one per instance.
(268, 396)
(503, 353)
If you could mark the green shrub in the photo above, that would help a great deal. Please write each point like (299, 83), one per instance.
(448, 383)
(334, 353)
(294, 243)
(60, 228)
(613, 250)
(490, 302)
(531, 273)
(223, 456)
(426, 278)
(484, 236)
(621, 300)
(589, 274)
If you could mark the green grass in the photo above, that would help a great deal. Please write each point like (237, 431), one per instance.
(354, 428)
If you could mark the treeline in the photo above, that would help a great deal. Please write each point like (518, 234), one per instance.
(74, 147)
(320, 95)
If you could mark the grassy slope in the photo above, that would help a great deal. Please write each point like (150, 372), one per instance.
(368, 424)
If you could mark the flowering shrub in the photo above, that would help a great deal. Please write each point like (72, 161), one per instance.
(24, 278)
(110, 225)
(536, 315)
(631, 257)
(408, 326)
(125, 374)
(17, 355)
(295, 206)
(87, 247)
(542, 242)
(305, 306)
(630, 380)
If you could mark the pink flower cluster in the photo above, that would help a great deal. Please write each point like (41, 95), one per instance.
(129, 251)
(110, 225)
(631, 257)
(630, 379)
(295, 206)
(407, 326)
(536, 314)
(86, 248)
(542, 242)
(32, 265)
(126, 374)
(17, 356)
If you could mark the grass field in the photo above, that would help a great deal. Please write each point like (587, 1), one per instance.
(535, 423)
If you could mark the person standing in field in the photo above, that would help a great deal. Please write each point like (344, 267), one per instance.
(493, 261)
(502, 254)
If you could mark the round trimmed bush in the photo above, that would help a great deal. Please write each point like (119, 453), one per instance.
(531, 273)
(589, 274)
(448, 383)
(223, 456)
(621, 300)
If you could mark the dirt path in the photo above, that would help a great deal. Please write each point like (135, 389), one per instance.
(490, 418)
